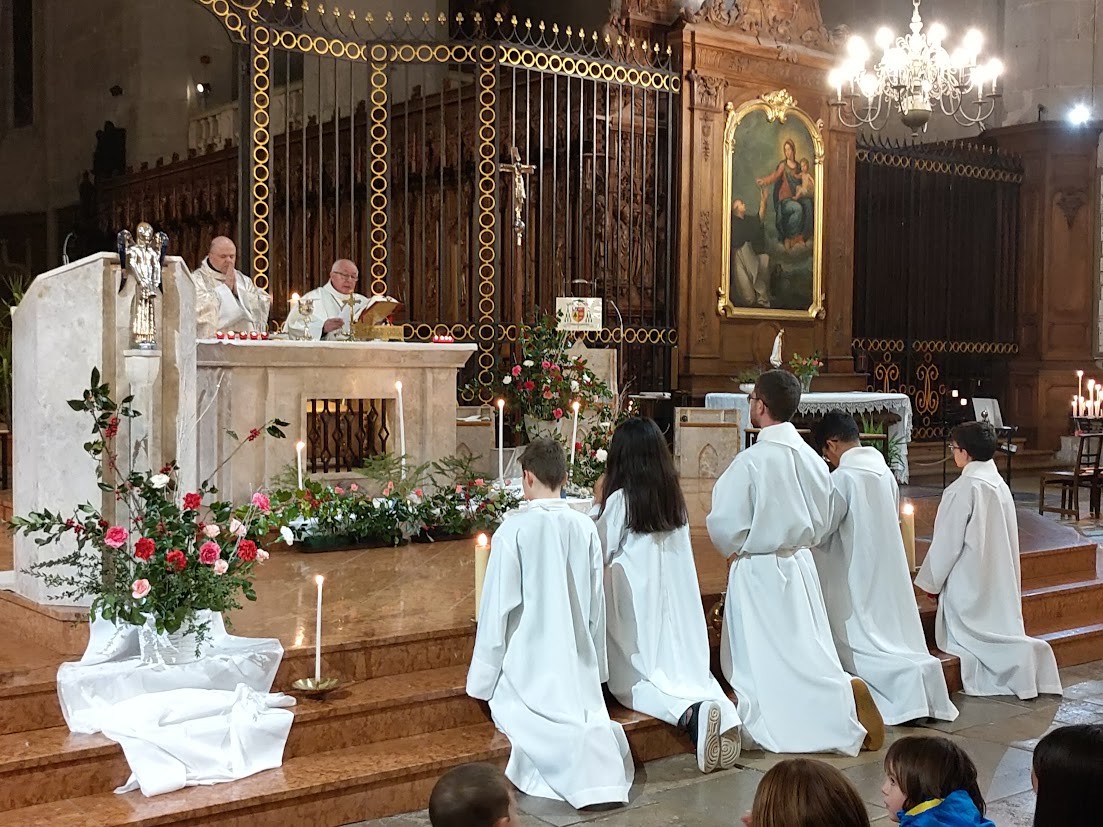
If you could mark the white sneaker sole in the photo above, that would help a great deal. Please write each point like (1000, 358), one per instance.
(731, 744)
(708, 737)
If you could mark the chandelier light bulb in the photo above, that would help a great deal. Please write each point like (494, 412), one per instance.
(937, 33)
(974, 42)
(857, 49)
(836, 77)
(868, 84)
(895, 59)
(995, 68)
(960, 58)
(884, 38)
(1079, 115)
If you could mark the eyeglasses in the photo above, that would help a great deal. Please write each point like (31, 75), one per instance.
(956, 447)
(353, 276)
(753, 398)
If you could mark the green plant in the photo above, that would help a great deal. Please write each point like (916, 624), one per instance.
(168, 561)
(749, 376)
(892, 447)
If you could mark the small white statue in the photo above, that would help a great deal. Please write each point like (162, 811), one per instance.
(775, 355)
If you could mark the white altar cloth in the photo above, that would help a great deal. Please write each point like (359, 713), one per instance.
(813, 404)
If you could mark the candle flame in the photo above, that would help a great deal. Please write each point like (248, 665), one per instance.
(294, 297)
(1079, 374)
(908, 509)
(575, 405)
(300, 445)
(319, 579)
(481, 540)
(398, 386)
(501, 404)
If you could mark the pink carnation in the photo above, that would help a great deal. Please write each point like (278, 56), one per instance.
(139, 589)
(516, 371)
(262, 502)
(209, 552)
(354, 487)
(116, 536)
(558, 413)
(545, 364)
(262, 555)
(221, 566)
(338, 489)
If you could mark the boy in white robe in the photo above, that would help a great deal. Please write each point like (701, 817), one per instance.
(973, 567)
(867, 587)
(769, 507)
(540, 656)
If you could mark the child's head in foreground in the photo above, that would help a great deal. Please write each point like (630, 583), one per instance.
(974, 442)
(472, 795)
(1067, 773)
(802, 792)
(543, 469)
(922, 768)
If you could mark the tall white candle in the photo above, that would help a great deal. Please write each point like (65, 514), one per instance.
(482, 557)
(299, 446)
(502, 442)
(318, 632)
(907, 531)
(1079, 383)
(574, 430)
(294, 302)
(401, 427)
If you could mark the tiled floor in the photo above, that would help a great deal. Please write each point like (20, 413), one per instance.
(998, 733)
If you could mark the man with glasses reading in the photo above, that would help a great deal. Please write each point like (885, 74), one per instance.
(769, 508)
(332, 313)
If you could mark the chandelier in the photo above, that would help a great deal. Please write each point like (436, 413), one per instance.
(915, 74)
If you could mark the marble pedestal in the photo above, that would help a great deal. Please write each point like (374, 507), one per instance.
(705, 441)
(243, 384)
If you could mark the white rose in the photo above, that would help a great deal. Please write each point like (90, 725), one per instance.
(574, 386)
(159, 480)
(586, 379)
(211, 530)
(288, 535)
(601, 455)
(528, 363)
(506, 380)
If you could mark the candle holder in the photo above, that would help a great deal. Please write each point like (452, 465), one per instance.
(315, 688)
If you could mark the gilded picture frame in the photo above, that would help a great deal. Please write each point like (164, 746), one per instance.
(772, 230)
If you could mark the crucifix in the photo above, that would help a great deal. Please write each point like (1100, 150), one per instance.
(520, 194)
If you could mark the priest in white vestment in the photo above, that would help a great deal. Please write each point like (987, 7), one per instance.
(225, 298)
(540, 656)
(973, 567)
(659, 658)
(769, 508)
(867, 586)
(332, 314)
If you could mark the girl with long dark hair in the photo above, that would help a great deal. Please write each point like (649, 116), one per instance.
(1067, 775)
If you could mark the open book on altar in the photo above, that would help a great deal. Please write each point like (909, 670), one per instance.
(372, 323)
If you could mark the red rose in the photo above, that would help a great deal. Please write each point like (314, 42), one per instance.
(247, 551)
(192, 501)
(144, 548)
(175, 559)
(530, 385)
(558, 413)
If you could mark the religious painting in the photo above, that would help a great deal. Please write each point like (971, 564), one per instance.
(773, 205)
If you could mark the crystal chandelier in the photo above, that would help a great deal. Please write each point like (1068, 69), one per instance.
(915, 74)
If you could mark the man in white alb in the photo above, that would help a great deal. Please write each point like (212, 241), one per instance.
(332, 313)
(225, 298)
(866, 584)
(769, 508)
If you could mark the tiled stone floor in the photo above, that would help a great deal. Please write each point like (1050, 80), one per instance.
(999, 733)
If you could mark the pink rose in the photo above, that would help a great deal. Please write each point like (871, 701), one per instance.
(211, 531)
(139, 589)
(116, 536)
(516, 371)
(354, 487)
(558, 413)
(208, 553)
(262, 555)
(262, 502)
(338, 489)
(545, 364)
(237, 527)
(388, 488)
(459, 489)
(480, 481)
(418, 492)
(221, 566)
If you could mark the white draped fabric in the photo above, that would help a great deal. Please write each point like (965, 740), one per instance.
(813, 404)
(540, 657)
(769, 507)
(868, 592)
(329, 304)
(658, 641)
(973, 565)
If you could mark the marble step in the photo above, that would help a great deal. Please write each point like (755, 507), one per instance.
(1071, 647)
(1067, 606)
(327, 789)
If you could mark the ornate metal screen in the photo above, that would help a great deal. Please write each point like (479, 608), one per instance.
(935, 265)
(473, 169)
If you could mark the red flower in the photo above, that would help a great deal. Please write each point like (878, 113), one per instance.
(175, 559)
(578, 446)
(116, 536)
(547, 393)
(209, 552)
(112, 428)
(530, 385)
(144, 548)
(516, 370)
(558, 413)
(253, 434)
(104, 524)
(166, 469)
(192, 501)
(247, 551)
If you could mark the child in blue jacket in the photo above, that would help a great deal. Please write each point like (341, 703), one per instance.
(932, 782)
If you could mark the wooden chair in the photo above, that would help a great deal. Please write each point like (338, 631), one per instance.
(1085, 474)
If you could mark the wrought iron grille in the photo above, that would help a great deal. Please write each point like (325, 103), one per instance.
(474, 169)
(342, 433)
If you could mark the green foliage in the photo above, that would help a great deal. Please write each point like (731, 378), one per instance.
(164, 561)
(892, 448)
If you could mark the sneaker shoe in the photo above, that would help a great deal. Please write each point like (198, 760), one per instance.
(868, 716)
(708, 736)
(731, 742)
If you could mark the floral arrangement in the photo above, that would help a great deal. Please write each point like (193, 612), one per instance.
(806, 367)
(543, 383)
(592, 451)
(171, 559)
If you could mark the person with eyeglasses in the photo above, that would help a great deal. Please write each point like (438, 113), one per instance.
(973, 568)
(332, 314)
(769, 508)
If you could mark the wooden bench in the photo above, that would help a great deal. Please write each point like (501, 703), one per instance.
(879, 441)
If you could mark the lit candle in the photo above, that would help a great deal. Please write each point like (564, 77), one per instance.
(401, 427)
(294, 302)
(502, 442)
(907, 532)
(1079, 383)
(482, 557)
(318, 633)
(1074, 406)
(574, 431)
(299, 446)
(954, 393)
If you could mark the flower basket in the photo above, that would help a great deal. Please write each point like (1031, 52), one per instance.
(538, 428)
(172, 648)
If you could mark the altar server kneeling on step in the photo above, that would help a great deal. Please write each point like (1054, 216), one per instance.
(540, 656)
(769, 508)
(658, 641)
(867, 586)
(973, 567)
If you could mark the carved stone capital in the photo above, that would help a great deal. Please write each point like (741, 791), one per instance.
(707, 91)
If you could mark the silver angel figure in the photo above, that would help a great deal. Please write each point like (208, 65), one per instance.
(144, 258)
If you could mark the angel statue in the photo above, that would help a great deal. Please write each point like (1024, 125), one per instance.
(144, 258)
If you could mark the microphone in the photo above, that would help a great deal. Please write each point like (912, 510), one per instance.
(65, 249)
